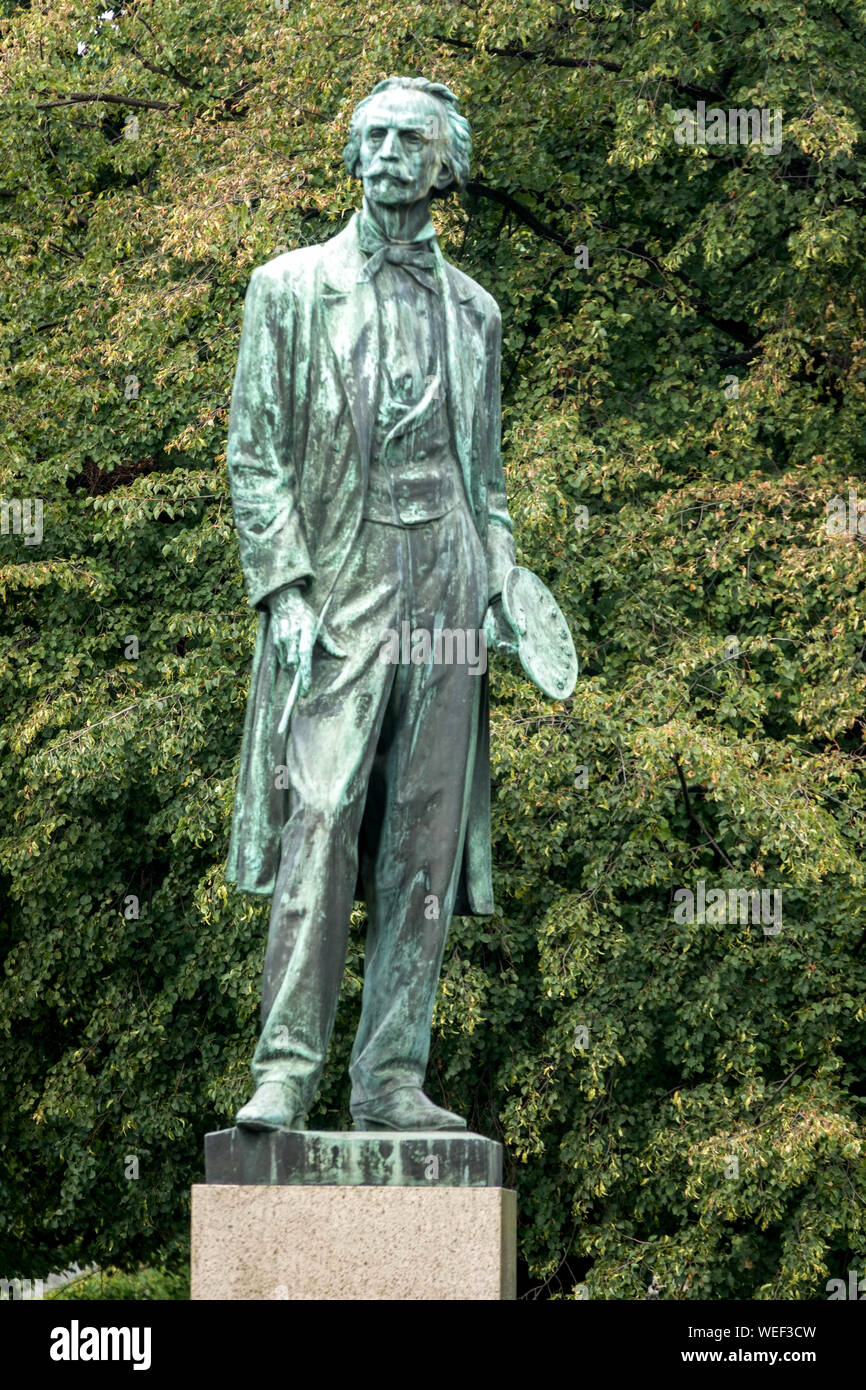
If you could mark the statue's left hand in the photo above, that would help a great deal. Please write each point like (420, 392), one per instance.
(498, 631)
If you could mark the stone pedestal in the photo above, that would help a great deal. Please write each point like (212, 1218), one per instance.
(317, 1215)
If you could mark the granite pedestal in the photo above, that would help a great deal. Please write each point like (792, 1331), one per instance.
(314, 1215)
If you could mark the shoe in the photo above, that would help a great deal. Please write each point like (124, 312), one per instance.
(406, 1108)
(272, 1107)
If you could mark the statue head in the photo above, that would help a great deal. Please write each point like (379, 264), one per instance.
(408, 142)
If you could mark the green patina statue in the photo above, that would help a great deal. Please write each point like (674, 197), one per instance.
(369, 499)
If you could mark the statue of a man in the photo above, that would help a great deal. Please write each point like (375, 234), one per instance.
(374, 534)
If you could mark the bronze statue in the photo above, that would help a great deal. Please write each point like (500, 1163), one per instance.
(369, 498)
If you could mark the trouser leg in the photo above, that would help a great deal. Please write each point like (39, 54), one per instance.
(307, 944)
(330, 750)
(419, 784)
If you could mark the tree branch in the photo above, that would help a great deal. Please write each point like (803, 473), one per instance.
(551, 60)
(78, 98)
(482, 190)
(693, 815)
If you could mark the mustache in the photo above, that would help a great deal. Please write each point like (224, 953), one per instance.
(384, 173)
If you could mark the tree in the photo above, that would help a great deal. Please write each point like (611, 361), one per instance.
(681, 1101)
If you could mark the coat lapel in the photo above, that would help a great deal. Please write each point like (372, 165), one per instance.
(464, 324)
(351, 323)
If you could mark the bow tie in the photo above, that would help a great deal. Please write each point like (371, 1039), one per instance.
(416, 257)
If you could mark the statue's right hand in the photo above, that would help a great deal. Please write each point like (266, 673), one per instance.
(293, 628)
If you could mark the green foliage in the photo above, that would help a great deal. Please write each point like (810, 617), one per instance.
(114, 1285)
(736, 762)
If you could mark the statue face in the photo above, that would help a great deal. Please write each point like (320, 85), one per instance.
(400, 160)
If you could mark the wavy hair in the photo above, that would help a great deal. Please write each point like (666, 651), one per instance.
(457, 141)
